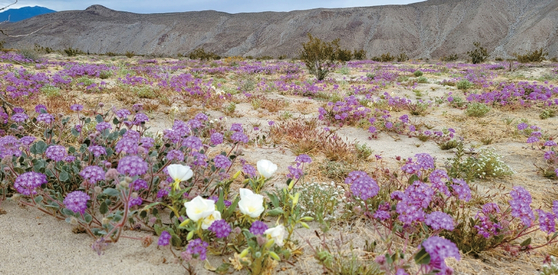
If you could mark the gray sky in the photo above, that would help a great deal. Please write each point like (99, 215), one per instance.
(231, 6)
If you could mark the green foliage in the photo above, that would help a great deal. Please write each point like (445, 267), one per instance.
(145, 92)
(422, 79)
(30, 54)
(450, 58)
(344, 55)
(464, 84)
(73, 52)
(386, 57)
(550, 268)
(402, 57)
(534, 56)
(319, 56)
(129, 54)
(335, 170)
(359, 54)
(418, 73)
(479, 54)
(41, 49)
(363, 151)
(485, 164)
(50, 91)
(477, 109)
(320, 200)
(548, 113)
(201, 54)
(230, 108)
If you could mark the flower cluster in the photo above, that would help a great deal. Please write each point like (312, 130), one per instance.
(362, 185)
(77, 201)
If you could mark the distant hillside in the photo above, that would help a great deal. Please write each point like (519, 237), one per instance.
(14, 15)
(429, 29)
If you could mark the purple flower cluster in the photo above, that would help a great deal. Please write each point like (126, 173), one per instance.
(258, 228)
(93, 174)
(127, 145)
(521, 205)
(222, 162)
(436, 179)
(9, 146)
(97, 150)
(412, 203)
(216, 138)
(76, 107)
(103, 126)
(239, 137)
(197, 248)
(132, 166)
(439, 249)
(135, 201)
(164, 238)
(193, 143)
(19, 117)
(147, 142)
(77, 201)
(221, 228)
(26, 183)
(122, 113)
(140, 184)
(362, 185)
(461, 190)
(383, 212)
(56, 152)
(175, 155)
(439, 220)
(547, 221)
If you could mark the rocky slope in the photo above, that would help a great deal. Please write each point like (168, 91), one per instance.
(427, 29)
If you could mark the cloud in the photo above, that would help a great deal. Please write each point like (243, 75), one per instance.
(231, 6)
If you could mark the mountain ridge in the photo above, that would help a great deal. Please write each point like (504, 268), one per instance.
(15, 15)
(429, 29)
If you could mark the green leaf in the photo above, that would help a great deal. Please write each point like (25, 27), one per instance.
(103, 208)
(75, 133)
(111, 192)
(223, 268)
(87, 218)
(64, 176)
(422, 257)
(115, 121)
(413, 178)
(232, 208)
(526, 242)
(99, 118)
(67, 212)
(38, 199)
(275, 212)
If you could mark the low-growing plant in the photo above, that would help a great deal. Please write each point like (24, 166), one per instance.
(532, 56)
(477, 109)
(73, 52)
(422, 79)
(418, 73)
(201, 54)
(464, 84)
(449, 58)
(402, 57)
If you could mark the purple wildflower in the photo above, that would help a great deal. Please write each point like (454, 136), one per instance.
(436, 179)
(103, 126)
(521, 205)
(163, 192)
(547, 222)
(46, 118)
(56, 152)
(126, 145)
(383, 212)
(39, 109)
(197, 248)
(27, 140)
(221, 161)
(490, 208)
(201, 117)
(132, 166)
(9, 146)
(249, 170)
(26, 183)
(97, 150)
(303, 158)
(532, 139)
(522, 126)
(192, 142)
(550, 143)
(140, 184)
(140, 118)
(362, 185)
(237, 127)
(147, 142)
(221, 228)
(122, 113)
(439, 220)
(164, 238)
(131, 134)
(461, 190)
(555, 207)
(19, 117)
(258, 228)
(135, 201)
(439, 249)
(92, 174)
(76, 107)
(216, 138)
(77, 201)
(175, 155)
(194, 123)
(239, 137)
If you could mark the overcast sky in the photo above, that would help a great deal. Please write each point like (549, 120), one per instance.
(231, 6)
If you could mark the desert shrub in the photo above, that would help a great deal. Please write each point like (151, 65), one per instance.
(548, 113)
(485, 164)
(479, 54)
(449, 58)
(51, 91)
(402, 57)
(477, 109)
(201, 54)
(422, 79)
(41, 49)
(145, 92)
(105, 74)
(343, 55)
(129, 54)
(359, 54)
(73, 52)
(385, 57)
(418, 73)
(534, 56)
(30, 54)
(464, 84)
(319, 56)
(320, 200)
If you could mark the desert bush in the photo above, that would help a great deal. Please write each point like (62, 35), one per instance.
(42, 49)
(73, 52)
(534, 56)
(464, 84)
(417, 73)
(422, 79)
(547, 113)
(479, 54)
(449, 58)
(129, 54)
(201, 54)
(477, 109)
(319, 56)
(359, 54)
(31, 54)
(402, 57)
(385, 57)
(343, 55)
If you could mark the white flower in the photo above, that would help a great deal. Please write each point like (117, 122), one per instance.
(250, 204)
(266, 168)
(179, 173)
(199, 208)
(276, 233)
(208, 221)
